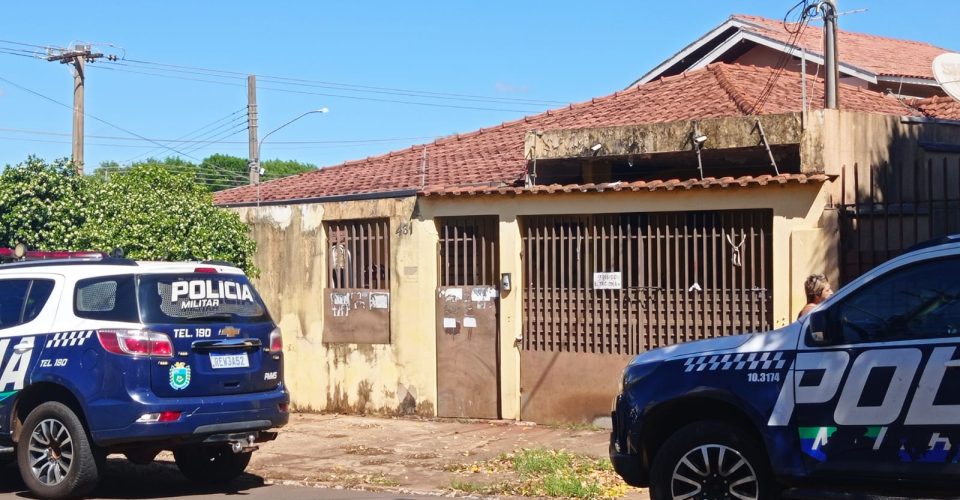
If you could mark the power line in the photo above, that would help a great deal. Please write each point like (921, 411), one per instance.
(38, 94)
(272, 143)
(23, 44)
(340, 96)
(193, 137)
(423, 93)
(355, 88)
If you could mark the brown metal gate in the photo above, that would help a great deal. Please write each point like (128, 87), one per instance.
(608, 286)
(467, 324)
(887, 208)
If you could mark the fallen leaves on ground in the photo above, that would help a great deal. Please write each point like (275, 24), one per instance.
(540, 472)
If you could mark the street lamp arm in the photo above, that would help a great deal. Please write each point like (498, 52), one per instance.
(321, 110)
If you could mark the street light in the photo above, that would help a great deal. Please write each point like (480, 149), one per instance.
(255, 169)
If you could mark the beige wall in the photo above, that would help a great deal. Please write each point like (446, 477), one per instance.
(401, 376)
(388, 378)
(800, 244)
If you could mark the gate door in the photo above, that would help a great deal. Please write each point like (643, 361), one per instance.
(598, 289)
(468, 365)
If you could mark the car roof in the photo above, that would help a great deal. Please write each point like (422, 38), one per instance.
(88, 267)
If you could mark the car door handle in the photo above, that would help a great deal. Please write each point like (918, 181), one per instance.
(23, 346)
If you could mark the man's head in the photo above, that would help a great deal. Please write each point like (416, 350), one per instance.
(817, 288)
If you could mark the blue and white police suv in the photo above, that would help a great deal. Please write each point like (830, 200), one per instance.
(863, 393)
(103, 355)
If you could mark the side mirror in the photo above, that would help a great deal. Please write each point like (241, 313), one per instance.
(819, 329)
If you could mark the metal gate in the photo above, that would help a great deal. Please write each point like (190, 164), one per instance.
(885, 209)
(468, 366)
(599, 288)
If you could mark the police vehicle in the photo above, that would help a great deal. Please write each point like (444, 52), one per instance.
(102, 355)
(863, 392)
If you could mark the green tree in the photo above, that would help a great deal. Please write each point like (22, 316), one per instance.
(275, 169)
(217, 171)
(42, 205)
(149, 211)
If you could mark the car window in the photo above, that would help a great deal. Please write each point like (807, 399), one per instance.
(40, 292)
(111, 298)
(13, 293)
(913, 302)
(199, 297)
(22, 299)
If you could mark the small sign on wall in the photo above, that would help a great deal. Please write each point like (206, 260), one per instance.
(607, 281)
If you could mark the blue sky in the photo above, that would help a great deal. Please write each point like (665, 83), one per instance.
(516, 55)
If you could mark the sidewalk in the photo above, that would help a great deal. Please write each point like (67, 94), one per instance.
(407, 455)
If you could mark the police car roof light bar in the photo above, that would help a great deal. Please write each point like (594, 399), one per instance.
(20, 254)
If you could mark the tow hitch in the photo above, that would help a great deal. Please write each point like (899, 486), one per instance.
(242, 442)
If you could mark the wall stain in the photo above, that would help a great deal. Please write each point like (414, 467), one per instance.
(364, 391)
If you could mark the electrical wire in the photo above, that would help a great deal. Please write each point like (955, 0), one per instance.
(355, 88)
(88, 115)
(339, 96)
(784, 58)
(190, 135)
(424, 93)
(205, 139)
(272, 143)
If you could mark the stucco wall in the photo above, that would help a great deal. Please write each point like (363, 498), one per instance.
(399, 377)
(800, 243)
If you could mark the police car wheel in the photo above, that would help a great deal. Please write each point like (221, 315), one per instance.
(210, 464)
(55, 457)
(710, 460)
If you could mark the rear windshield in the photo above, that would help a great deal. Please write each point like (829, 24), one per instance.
(199, 297)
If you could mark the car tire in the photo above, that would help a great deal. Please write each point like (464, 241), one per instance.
(706, 457)
(55, 455)
(210, 464)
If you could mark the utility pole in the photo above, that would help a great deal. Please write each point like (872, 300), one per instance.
(78, 56)
(253, 162)
(832, 69)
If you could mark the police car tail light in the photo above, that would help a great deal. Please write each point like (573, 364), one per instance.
(276, 340)
(136, 343)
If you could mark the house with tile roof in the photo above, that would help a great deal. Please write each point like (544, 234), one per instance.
(904, 67)
(511, 272)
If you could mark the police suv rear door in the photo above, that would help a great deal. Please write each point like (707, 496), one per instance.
(882, 397)
(28, 306)
(220, 329)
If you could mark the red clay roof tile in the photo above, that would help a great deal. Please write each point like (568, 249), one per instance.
(494, 156)
(657, 185)
(945, 108)
(879, 55)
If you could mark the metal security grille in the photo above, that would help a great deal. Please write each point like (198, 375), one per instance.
(359, 254)
(886, 209)
(468, 251)
(682, 276)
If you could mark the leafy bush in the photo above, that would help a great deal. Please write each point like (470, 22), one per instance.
(147, 210)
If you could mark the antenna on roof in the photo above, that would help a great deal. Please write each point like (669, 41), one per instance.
(854, 11)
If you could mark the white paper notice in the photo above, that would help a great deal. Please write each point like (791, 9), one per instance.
(469, 322)
(607, 281)
(449, 322)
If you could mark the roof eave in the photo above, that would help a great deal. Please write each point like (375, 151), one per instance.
(704, 40)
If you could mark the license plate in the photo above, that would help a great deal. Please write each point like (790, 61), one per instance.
(218, 361)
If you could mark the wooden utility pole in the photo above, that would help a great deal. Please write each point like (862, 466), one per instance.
(254, 148)
(79, 55)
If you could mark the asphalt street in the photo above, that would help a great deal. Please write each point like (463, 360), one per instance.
(123, 480)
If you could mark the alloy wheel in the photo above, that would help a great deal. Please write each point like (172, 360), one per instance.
(50, 452)
(714, 471)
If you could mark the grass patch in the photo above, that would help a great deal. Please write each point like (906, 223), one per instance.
(542, 472)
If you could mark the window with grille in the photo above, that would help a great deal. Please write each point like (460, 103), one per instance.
(359, 254)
